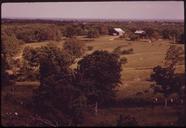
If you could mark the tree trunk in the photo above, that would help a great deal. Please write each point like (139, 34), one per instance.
(165, 102)
(96, 108)
(174, 39)
(13, 90)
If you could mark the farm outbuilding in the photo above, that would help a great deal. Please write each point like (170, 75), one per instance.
(117, 32)
(140, 33)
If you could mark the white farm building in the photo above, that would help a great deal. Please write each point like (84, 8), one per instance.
(139, 32)
(117, 31)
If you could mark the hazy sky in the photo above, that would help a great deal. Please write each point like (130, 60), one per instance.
(119, 10)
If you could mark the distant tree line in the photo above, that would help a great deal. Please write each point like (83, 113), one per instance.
(33, 32)
(54, 31)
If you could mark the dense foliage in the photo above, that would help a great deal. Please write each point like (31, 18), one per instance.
(101, 73)
(10, 45)
(93, 33)
(64, 93)
(174, 55)
(34, 32)
(55, 93)
(74, 90)
(167, 81)
(74, 47)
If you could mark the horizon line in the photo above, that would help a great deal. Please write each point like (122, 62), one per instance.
(58, 18)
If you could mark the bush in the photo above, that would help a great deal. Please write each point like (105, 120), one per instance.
(121, 37)
(126, 121)
(128, 51)
(118, 50)
(28, 72)
(31, 55)
(69, 31)
(93, 33)
(103, 29)
(90, 48)
(30, 64)
(181, 38)
(133, 37)
(123, 60)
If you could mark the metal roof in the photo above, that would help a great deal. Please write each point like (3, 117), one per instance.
(139, 32)
(119, 30)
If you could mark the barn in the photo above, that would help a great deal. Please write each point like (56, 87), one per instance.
(140, 33)
(117, 32)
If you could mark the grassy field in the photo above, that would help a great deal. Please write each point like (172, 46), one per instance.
(135, 75)
(138, 68)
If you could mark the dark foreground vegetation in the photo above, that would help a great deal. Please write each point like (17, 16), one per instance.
(81, 95)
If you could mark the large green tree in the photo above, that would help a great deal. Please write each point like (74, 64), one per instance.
(56, 94)
(4, 76)
(174, 55)
(163, 78)
(99, 75)
(10, 45)
(167, 81)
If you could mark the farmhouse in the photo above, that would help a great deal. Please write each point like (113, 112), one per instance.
(117, 31)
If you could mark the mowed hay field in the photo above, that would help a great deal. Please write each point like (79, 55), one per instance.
(134, 76)
(136, 72)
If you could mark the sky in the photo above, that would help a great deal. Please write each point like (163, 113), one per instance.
(96, 10)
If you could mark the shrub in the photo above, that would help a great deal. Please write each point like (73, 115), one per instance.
(121, 37)
(93, 33)
(133, 37)
(117, 50)
(90, 48)
(123, 60)
(120, 51)
(31, 55)
(69, 31)
(103, 29)
(128, 51)
(181, 38)
(126, 121)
